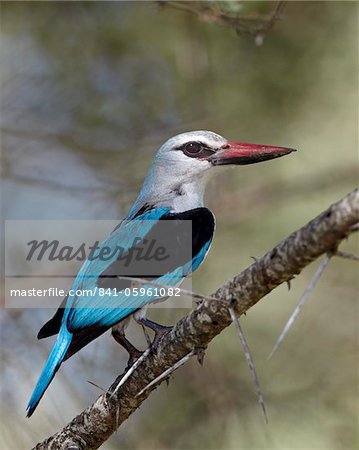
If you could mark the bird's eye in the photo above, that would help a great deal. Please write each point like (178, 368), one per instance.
(192, 149)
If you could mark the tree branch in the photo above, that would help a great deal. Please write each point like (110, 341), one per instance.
(323, 234)
(243, 24)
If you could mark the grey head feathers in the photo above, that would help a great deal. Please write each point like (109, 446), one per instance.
(177, 177)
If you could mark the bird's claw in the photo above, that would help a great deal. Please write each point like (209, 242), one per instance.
(200, 353)
(134, 356)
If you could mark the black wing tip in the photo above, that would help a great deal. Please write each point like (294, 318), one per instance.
(30, 411)
(42, 334)
(47, 330)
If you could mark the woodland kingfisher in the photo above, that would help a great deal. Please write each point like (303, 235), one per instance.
(173, 191)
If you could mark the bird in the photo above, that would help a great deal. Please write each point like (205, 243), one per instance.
(172, 195)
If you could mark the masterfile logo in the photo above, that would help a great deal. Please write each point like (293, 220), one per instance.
(48, 260)
(140, 249)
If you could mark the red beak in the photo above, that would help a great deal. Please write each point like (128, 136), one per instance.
(243, 153)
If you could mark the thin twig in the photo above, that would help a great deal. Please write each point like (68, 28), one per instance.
(131, 370)
(250, 362)
(167, 372)
(249, 24)
(275, 15)
(301, 302)
(346, 255)
(98, 387)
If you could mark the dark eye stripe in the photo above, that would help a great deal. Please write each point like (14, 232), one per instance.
(195, 149)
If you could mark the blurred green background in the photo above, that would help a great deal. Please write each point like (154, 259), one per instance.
(89, 92)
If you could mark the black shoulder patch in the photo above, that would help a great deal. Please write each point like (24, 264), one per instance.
(175, 240)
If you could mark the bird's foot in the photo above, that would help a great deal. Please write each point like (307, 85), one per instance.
(133, 352)
(160, 330)
(133, 358)
(159, 334)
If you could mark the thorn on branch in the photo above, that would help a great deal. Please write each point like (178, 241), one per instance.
(131, 370)
(302, 302)
(200, 353)
(250, 362)
(346, 255)
(106, 391)
(289, 283)
(167, 372)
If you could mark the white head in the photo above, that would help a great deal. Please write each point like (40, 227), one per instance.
(184, 163)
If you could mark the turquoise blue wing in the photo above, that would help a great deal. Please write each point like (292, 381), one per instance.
(109, 305)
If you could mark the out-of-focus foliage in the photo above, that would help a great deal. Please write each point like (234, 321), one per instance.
(89, 91)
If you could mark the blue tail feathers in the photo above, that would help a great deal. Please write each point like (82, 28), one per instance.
(52, 364)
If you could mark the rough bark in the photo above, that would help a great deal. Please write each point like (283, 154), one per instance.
(321, 235)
